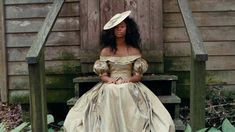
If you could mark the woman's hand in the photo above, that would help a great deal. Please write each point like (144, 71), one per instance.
(111, 80)
(120, 81)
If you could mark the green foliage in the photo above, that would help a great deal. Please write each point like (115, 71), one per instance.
(50, 119)
(225, 127)
(25, 126)
(20, 127)
(2, 127)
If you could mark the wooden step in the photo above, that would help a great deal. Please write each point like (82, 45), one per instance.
(179, 125)
(158, 84)
(166, 99)
(169, 99)
(144, 78)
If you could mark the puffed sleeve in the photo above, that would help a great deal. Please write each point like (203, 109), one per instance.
(100, 67)
(140, 66)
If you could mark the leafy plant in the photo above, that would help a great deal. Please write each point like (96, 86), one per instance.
(218, 106)
(225, 127)
(220, 109)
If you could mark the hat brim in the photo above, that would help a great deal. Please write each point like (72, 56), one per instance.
(116, 19)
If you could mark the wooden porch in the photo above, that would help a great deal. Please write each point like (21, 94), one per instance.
(198, 54)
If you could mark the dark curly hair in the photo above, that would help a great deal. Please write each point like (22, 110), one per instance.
(132, 37)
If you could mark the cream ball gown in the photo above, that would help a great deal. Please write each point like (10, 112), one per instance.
(126, 107)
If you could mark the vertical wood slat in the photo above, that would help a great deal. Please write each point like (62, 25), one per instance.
(93, 25)
(105, 12)
(36, 67)
(3, 61)
(156, 26)
(143, 22)
(132, 5)
(36, 49)
(197, 94)
(83, 23)
(198, 67)
(38, 108)
(118, 6)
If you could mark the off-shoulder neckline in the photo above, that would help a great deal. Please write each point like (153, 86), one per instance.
(120, 59)
(106, 56)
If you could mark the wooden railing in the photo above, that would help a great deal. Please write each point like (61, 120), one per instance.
(197, 70)
(36, 67)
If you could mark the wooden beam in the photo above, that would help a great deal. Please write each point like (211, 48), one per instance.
(36, 67)
(197, 70)
(197, 94)
(195, 37)
(38, 98)
(3, 61)
(35, 50)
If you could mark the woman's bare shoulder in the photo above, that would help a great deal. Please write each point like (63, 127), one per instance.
(106, 51)
(134, 51)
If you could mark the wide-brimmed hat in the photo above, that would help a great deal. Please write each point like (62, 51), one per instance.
(116, 19)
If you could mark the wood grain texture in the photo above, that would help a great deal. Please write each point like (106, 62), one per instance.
(33, 25)
(51, 82)
(51, 53)
(197, 93)
(144, 23)
(156, 24)
(211, 34)
(201, 5)
(3, 59)
(54, 39)
(9, 2)
(35, 50)
(52, 67)
(215, 63)
(212, 19)
(93, 26)
(38, 100)
(132, 5)
(53, 96)
(198, 50)
(213, 49)
(83, 23)
(118, 6)
(40, 11)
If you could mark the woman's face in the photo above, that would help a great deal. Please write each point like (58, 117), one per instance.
(120, 30)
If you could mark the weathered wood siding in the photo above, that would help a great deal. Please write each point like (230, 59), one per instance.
(147, 13)
(3, 66)
(23, 20)
(216, 20)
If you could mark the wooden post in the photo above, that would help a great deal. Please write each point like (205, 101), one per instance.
(35, 59)
(197, 94)
(3, 61)
(197, 71)
(38, 108)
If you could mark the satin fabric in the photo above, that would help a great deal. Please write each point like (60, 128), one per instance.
(127, 107)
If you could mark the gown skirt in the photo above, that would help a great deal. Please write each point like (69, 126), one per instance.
(126, 107)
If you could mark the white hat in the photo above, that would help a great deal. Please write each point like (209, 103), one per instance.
(116, 19)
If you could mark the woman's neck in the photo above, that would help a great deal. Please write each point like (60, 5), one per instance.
(120, 42)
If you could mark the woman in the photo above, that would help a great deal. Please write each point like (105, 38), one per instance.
(120, 102)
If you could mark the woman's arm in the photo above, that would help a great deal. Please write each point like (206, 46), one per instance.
(134, 78)
(105, 78)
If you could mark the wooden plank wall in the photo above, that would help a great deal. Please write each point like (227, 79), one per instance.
(3, 66)
(23, 20)
(148, 15)
(216, 21)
